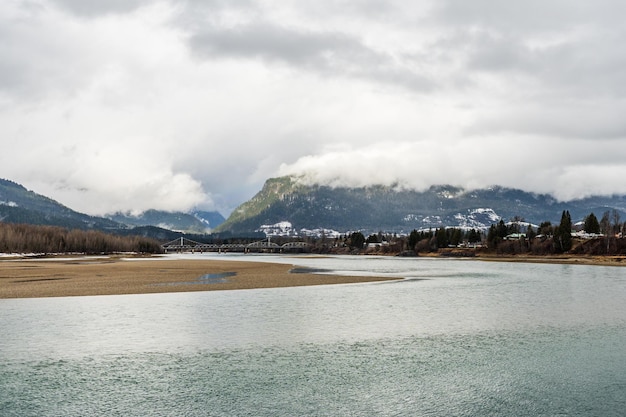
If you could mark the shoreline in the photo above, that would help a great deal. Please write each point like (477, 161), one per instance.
(78, 276)
(560, 260)
(569, 259)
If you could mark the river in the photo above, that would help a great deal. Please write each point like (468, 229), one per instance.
(453, 338)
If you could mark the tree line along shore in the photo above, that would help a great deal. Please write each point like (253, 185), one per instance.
(593, 237)
(27, 238)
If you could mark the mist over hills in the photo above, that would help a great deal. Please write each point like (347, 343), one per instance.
(194, 222)
(285, 200)
(286, 206)
(19, 205)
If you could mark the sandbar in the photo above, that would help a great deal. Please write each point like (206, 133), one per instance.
(30, 278)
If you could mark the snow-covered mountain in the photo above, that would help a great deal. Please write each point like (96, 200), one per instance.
(285, 201)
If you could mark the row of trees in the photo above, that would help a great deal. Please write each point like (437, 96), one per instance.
(609, 224)
(545, 239)
(417, 240)
(22, 238)
(25, 238)
(604, 236)
(561, 234)
(429, 240)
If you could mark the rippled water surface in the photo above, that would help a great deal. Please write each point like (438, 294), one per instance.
(456, 337)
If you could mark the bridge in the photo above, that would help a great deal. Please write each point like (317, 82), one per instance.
(183, 244)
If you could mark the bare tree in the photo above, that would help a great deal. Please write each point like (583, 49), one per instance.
(605, 227)
(616, 218)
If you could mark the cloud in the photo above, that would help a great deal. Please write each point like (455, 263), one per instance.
(591, 119)
(276, 43)
(34, 63)
(562, 168)
(557, 49)
(327, 53)
(93, 8)
(128, 105)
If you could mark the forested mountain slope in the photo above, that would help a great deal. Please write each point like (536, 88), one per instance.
(19, 205)
(393, 209)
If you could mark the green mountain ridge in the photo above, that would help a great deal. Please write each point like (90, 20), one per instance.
(274, 190)
(391, 209)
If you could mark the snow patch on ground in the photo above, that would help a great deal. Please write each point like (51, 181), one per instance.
(283, 228)
(286, 229)
(329, 233)
(479, 218)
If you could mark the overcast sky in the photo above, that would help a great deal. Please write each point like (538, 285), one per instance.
(130, 104)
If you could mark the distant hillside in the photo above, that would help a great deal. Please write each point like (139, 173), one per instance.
(286, 206)
(377, 208)
(211, 219)
(195, 222)
(19, 205)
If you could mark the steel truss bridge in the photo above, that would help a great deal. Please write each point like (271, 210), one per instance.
(187, 245)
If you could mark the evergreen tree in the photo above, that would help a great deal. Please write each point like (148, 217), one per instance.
(357, 240)
(545, 228)
(414, 237)
(442, 237)
(373, 239)
(513, 227)
(473, 236)
(501, 229)
(455, 236)
(592, 225)
(563, 234)
(492, 236)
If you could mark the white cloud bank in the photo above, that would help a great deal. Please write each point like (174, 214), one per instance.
(130, 105)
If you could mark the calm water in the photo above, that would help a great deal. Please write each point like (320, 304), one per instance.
(455, 338)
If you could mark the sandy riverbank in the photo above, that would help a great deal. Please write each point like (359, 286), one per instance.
(600, 260)
(26, 278)
(562, 259)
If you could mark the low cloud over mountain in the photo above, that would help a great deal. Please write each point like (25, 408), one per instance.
(159, 104)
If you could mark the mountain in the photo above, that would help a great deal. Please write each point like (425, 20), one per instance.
(211, 219)
(19, 205)
(286, 206)
(195, 222)
(285, 200)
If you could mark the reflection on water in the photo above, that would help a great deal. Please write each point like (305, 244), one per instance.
(217, 278)
(221, 277)
(309, 270)
(454, 338)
